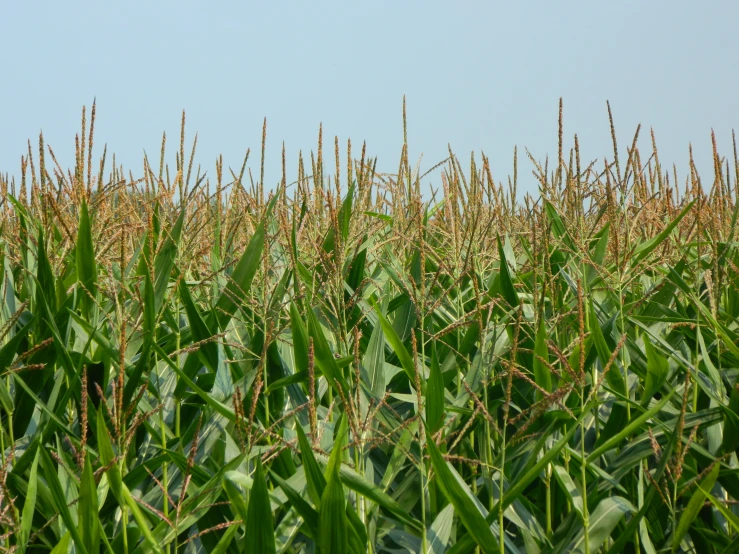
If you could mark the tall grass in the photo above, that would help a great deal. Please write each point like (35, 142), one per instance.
(347, 365)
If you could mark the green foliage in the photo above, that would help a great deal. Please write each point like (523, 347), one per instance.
(366, 371)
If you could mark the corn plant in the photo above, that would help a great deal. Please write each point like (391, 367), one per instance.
(347, 365)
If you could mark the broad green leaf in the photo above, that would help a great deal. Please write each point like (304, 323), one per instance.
(42, 406)
(730, 516)
(731, 425)
(694, 506)
(523, 480)
(29, 507)
(461, 498)
(260, 538)
(634, 425)
(558, 226)
(165, 261)
(200, 331)
(374, 362)
(613, 376)
(117, 486)
(300, 339)
(88, 509)
(601, 244)
(62, 546)
(240, 280)
(324, 357)
(434, 395)
(506, 281)
(440, 531)
(603, 521)
(570, 489)
(542, 373)
(85, 256)
(406, 360)
(333, 526)
(236, 498)
(149, 330)
(357, 531)
(645, 248)
(219, 407)
(356, 482)
(11, 348)
(657, 370)
(226, 540)
(344, 219)
(60, 500)
(45, 288)
(306, 511)
(313, 474)
(637, 519)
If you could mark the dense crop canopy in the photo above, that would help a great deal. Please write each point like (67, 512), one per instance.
(348, 365)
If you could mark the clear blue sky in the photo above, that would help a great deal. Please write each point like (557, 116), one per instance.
(483, 76)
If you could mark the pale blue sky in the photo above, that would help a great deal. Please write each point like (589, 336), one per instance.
(479, 75)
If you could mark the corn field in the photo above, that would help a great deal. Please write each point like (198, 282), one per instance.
(345, 364)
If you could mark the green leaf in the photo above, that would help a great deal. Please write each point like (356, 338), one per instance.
(60, 500)
(440, 531)
(406, 360)
(356, 270)
(85, 256)
(730, 440)
(149, 330)
(435, 395)
(357, 531)
(461, 498)
(323, 355)
(344, 219)
(306, 511)
(570, 489)
(29, 507)
(42, 405)
(354, 481)
(260, 538)
(602, 523)
(313, 474)
(636, 520)
(525, 478)
(236, 498)
(694, 506)
(219, 407)
(657, 370)
(614, 377)
(240, 280)
(62, 547)
(165, 261)
(645, 248)
(730, 516)
(558, 226)
(11, 348)
(634, 425)
(88, 509)
(542, 373)
(300, 339)
(207, 353)
(333, 531)
(506, 281)
(374, 362)
(45, 288)
(117, 486)
(226, 540)
(601, 244)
